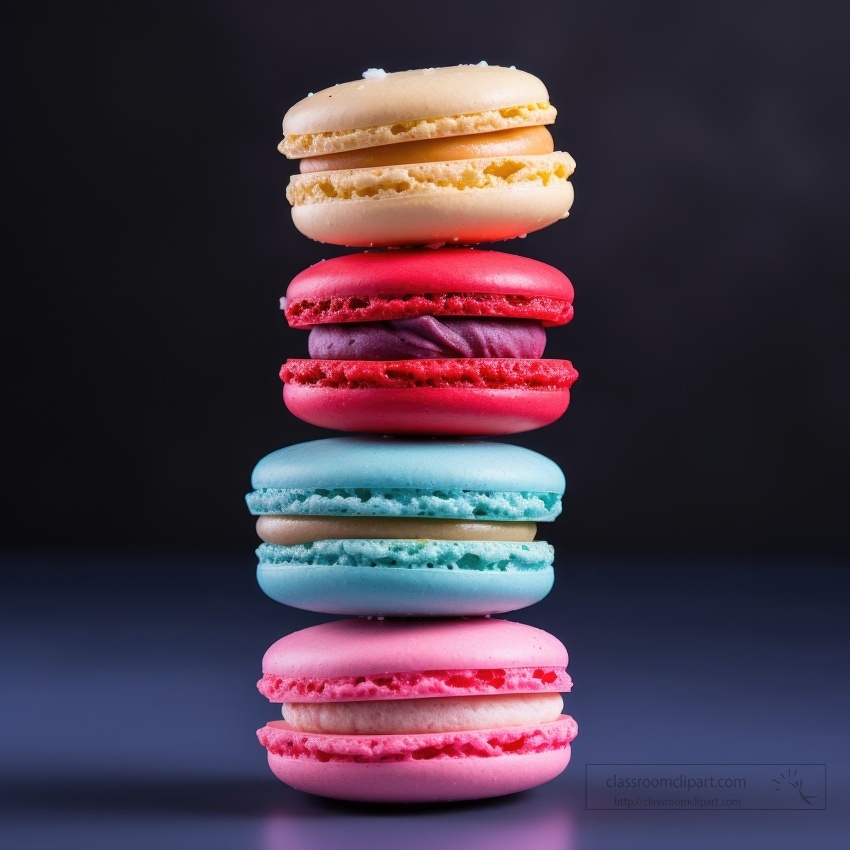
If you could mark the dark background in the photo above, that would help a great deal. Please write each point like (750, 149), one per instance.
(701, 559)
(149, 241)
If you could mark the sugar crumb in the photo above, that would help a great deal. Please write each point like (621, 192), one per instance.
(374, 74)
(283, 302)
(483, 64)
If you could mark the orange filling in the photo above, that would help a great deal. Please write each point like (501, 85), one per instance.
(518, 141)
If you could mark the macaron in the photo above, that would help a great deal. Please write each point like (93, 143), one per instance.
(421, 341)
(401, 527)
(458, 155)
(417, 711)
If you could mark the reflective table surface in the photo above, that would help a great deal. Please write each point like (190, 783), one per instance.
(129, 707)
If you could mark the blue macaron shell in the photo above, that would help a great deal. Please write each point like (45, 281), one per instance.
(439, 504)
(480, 555)
(385, 476)
(418, 464)
(407, 578)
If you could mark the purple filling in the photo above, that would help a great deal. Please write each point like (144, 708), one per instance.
(427, 336)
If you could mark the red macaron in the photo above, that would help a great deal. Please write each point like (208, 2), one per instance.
(443, 341)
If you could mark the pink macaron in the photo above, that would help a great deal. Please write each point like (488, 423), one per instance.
(417, 710)
(440, 342)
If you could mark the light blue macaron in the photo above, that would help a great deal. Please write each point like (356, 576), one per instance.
(398, 477)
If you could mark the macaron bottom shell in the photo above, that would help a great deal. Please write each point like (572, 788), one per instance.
(432, 411)
(421, 781)
(451, 216)
(423, 768)
(394, 592)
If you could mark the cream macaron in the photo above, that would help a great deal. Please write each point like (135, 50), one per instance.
(456, 155)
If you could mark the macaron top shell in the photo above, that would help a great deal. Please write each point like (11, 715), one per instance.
(397, 463)
(358, 647)
(424, 271)
(405, 95)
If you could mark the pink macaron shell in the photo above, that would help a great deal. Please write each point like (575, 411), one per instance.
(433, 411)
(419, 768)
(381, 308)
(421, 781)
(357, 647)
(428, 270)
(412, 685)
(346, 288)
(491, 373)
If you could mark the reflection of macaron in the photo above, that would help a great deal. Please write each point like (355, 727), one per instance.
(414, 711)
(457, 154)
(397, 527)
(443, 342)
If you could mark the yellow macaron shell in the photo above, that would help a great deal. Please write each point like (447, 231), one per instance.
(519, 141)
(295, 530)
(461, 202)
(422, 104)
(430, 714)
(429, 177)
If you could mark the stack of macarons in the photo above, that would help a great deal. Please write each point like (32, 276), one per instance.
(414, 526)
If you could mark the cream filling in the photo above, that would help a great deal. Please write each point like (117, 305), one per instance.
(295, 530)
(517, 141)
(431, 714)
